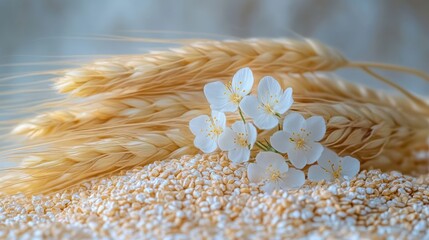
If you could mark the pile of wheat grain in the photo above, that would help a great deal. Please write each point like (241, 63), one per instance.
(200, 197)
(129, 111)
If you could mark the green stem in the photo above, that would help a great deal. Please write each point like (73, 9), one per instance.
(241, 114)
(261, 146)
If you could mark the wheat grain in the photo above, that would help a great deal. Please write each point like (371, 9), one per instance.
(209, 197)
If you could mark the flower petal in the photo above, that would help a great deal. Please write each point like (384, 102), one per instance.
(249, 105)
(200, 125)
(242, 81)
(280, 141)
(297, 158)
(239, 127)
(205, 143)
(269, 187)
(294, 122)
(219, 119)
(217, 95)
(350, 167)
(313, 152)
(328, 160)
(277, 161)
(255, 173)
(239, 155)
(317, 173)
(316, 127)
(266, 121)
(251, 134)
(285, 102)
(293, 179)
(269, 90)
(226, 140)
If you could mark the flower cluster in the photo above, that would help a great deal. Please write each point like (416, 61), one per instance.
(296, 144)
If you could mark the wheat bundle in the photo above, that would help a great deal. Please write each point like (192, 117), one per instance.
(138, 108)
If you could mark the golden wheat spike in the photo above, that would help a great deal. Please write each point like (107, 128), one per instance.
(111, 110)
(190, 67)
(61, 167)
(337, 89)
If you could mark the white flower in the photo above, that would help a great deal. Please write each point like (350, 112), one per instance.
(299, 139)
(227, 98)
(207, 130)
(238, 141)
(270, 103)
(272, 169)
(331, 166)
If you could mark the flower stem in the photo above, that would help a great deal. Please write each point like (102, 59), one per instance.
(261, 146)
(241, 114)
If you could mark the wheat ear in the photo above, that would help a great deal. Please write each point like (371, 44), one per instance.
(334, 88)
(111, 110)
(59, 167)
(190, 67)
(369, 132)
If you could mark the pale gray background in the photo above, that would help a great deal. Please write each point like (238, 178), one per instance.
(391, 31)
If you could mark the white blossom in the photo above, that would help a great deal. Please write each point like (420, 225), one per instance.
(226, 98)
(330, 166)
(238, 141)
(272, 169)
(207, 130)
(270, 103)
(299, 139)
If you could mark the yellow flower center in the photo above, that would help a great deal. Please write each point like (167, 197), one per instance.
(300, 143)
(214, 131)
(336, 173)
(241, 140)
(273, 174)
(235, 98)
(300, 140)
(269, 109)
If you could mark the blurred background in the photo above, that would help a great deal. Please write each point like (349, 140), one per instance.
(392, 31)
(41, 35)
